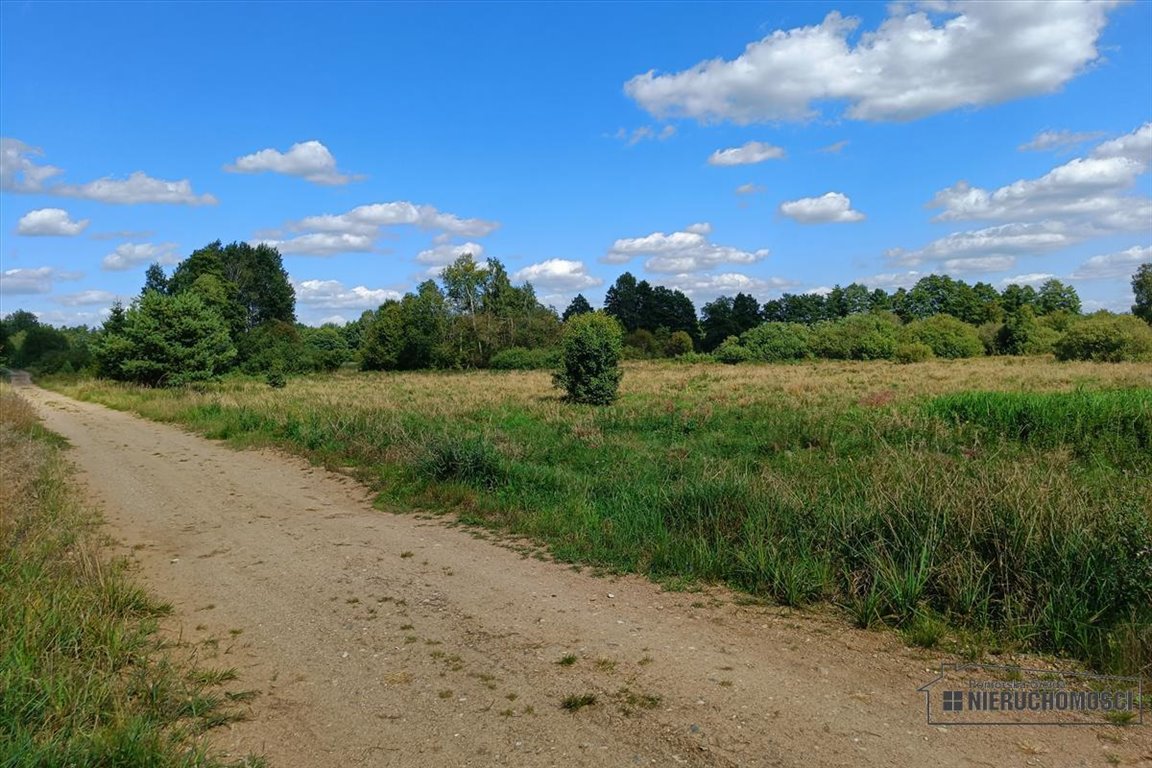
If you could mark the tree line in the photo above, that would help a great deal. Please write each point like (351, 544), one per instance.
(232, 308)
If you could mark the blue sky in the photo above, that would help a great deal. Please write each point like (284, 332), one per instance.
(710, 147)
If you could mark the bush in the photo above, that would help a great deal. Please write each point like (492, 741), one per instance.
(276, 380)
(730, 352)
(989, 334)
(946, 335)
(1104, 337)
(695, 358)
(471, 460)
(773, 342)
(856, 337)
(679, 344)
(524, 359)
(1024, 334)
(590, 363)
(914, 352)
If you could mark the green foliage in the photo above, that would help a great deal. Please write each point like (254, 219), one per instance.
(913, 352)
(1142, 291)
(167, 341)
(579, 306)
(471, 460)
(1104, 337)
(1024, 334)
(776, 342)
(254, 277)
(590, 367)
(732, 352)
(276, 380)
(524, 359)
(679, 343)
(945, 335)
(856, 337)
(641, 344)
(1055, 296)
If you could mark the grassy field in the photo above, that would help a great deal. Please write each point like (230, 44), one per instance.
(84, 677)
(983, 505)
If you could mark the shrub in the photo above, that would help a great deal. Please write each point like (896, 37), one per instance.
(680, 343)
(1024, 334)
(856, 337)
(524, 359)
(730, 352)
(1108, 338)
(276, 380)
(946, 335)
(471, 460)
(773, 342)
(914, 352)
(590, 361)
(989, 334)
(641, 344)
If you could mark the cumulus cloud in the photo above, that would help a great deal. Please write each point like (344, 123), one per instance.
(1034, 279)
(309, 160)
(1085, 189)
(139, 187)
(443, 254)
(323, 244)
(828, 208)
(1001, 241)
(84, 298)
(18, 171)
(332, 294)
(750, 189)
(911, 66)
(132, 255)
(748, 154)
(368, 219)
(680, 252)
(1049, 140)
(1111, 265)
(890, 281)
(32, 280)
(50, 222)
(558, 275)
(702, 288)
(979, 264)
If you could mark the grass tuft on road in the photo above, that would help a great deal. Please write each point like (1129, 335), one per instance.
(82, 674)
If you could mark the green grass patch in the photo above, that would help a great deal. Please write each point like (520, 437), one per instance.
(83, 678)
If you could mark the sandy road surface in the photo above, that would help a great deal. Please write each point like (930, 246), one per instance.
(387, 640)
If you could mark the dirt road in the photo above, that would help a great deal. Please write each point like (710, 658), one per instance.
(380, 639)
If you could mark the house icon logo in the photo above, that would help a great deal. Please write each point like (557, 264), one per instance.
(990, 694)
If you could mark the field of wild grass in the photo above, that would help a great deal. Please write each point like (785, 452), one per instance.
(982, 505)
(84, 678)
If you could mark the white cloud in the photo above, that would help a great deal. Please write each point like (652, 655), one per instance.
(890, 281)
(748, 154)
(826, 209)
(50, 222)
(131, 255)
(750, 189)
(644, 133)
(368, 219)
(137, 188)
(323, 244)
(834, 149)
(1000, 241)
(83, 298)
(680, 252)
(979, 264)
(1085, 190)
(558, 275)
(32, 280)
(443, 254)
(1033, 279)
(332, 294)
(1120, 264)
(910, 67)
(1135, 146)
(703, 288)
(309, 160)
(1048, 140)
(18, 172)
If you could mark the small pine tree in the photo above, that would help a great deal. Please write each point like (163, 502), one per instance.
(590, 362)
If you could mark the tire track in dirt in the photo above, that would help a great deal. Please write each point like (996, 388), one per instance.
(378, 639)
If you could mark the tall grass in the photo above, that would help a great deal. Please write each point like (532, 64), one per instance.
(82, 677)
(887, 490)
